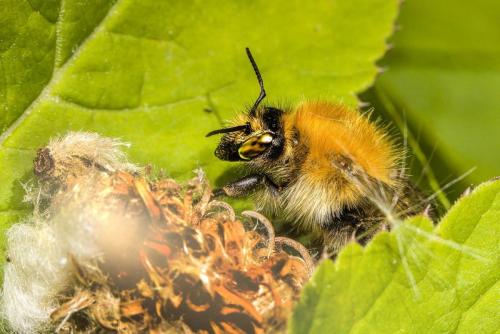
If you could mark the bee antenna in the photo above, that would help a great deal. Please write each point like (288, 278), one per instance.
(245, 127)
(262, 94)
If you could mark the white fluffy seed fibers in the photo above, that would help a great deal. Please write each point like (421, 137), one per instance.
(38, 249)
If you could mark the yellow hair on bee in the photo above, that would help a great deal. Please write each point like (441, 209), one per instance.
(338, 144)
(329, 150)
(324, 165)
(338, 129)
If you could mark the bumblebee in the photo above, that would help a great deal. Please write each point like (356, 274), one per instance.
(320, 165)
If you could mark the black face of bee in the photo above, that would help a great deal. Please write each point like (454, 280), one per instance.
(267, 141)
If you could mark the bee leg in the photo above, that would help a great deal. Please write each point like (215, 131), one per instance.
(246, 185)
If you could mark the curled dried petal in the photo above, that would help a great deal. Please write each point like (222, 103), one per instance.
(304, 253)
(219, 204)
(267, 224)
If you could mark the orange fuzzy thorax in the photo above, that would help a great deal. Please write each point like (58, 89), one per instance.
(328, 129)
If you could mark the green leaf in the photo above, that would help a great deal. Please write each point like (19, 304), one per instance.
(145, 70)
(415, 279)
(444, 74)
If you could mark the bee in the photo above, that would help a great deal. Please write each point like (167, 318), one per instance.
(322, 166)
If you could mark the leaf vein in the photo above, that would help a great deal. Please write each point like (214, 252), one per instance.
(45, 92)
(59, 40)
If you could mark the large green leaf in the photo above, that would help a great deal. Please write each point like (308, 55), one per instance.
(145, 70)
(414, 279)
(444, 74)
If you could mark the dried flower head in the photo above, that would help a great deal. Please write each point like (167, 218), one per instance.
(119, 251)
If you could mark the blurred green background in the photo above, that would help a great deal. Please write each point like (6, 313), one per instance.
(442, 79)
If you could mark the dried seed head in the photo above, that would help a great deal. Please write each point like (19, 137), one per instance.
(74, 154)
(133, 255)
(44, 163)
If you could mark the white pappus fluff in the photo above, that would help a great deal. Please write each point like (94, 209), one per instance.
(104, 151)
(38, 268)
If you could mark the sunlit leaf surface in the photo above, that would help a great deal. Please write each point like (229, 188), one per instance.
(415, 279)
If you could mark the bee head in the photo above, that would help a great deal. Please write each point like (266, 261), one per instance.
(260, 136)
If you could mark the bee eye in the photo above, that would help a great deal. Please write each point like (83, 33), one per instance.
(248, 128)
(272, 118)
(255, 146)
